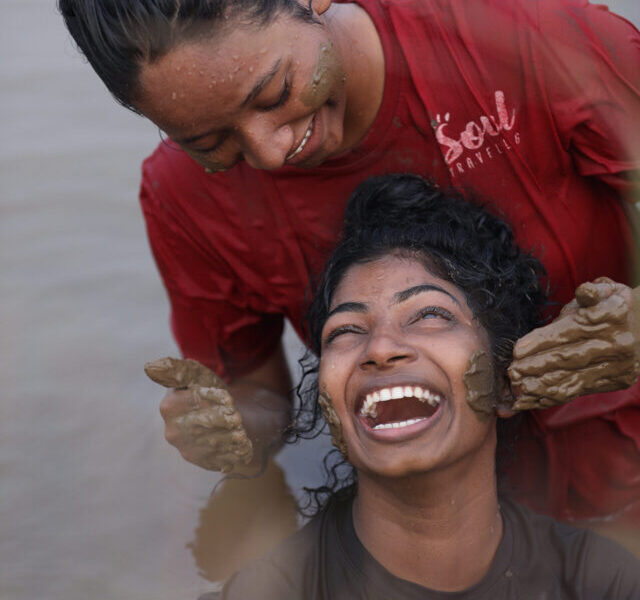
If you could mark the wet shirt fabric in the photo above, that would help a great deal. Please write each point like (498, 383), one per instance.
(531, 104)
(537, 558)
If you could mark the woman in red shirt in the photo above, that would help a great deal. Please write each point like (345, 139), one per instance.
(277, 109)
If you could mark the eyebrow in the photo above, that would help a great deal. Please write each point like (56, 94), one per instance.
(262, 82)
(419, 289)
(257, 88)
(359, 307)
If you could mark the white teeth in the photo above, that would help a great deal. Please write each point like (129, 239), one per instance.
(303, 143)
(398, 424)
(397, 393)
(433, 399)
(369, 405)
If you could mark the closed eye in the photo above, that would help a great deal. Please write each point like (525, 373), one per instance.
(210, 149)
(432, 312)
(284, 96)
(342, 330)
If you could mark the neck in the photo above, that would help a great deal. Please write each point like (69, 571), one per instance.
(361, 49)
(440, 530)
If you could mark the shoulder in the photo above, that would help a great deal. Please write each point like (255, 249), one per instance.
(578, 559)
(281, 573)
(580, 34)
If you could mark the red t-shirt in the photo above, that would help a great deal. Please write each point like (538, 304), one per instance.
(529, 104)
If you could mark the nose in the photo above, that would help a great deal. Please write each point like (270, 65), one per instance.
(386, 347)
(265, 144)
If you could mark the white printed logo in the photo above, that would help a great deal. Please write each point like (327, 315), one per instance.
(476, 137)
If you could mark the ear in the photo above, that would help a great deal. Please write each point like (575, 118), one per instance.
(504, 412)
(503, 408)
(320, 6)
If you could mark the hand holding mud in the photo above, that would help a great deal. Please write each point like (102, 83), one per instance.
(593, 346)
(201, 420)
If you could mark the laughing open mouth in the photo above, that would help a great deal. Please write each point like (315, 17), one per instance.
(399, 406)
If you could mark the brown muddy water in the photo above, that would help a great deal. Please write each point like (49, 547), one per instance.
(93, 502)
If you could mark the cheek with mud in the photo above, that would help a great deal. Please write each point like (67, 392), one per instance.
(479, 379)
(327, 74)
(335, 426)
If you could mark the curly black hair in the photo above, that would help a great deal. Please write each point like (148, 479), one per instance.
(455, 239)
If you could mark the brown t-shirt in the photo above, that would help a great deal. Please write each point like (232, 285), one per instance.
(538, 558)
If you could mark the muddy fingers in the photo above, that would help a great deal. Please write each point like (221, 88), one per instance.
(592, 347)
(201, 420)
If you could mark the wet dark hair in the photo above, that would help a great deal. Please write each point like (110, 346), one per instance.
(118, 36)
(456, 240)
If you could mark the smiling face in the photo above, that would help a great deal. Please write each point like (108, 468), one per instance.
(269, 94)
(395, 348)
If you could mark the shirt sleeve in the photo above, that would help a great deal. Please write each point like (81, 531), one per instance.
(213, 318)
(611, 572)
(590, 60)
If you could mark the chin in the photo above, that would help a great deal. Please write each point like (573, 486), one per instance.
(395, 467)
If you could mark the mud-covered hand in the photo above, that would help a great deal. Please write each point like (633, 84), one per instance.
(200, 418)
(592, 346)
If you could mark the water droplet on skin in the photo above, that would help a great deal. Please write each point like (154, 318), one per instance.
(235, 57)
(174, 95)
(201, 72)
(250, 69)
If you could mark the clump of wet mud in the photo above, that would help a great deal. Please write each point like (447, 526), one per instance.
(213, 420)
(335, 426)
(479, 379)
(323, 79)
(591, 347)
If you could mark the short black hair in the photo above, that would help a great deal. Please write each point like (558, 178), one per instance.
(456, 239)
(118, 36)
